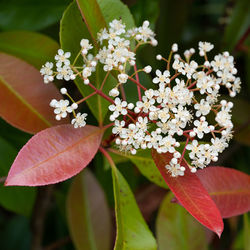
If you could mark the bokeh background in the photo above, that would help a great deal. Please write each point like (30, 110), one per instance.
(224, 23)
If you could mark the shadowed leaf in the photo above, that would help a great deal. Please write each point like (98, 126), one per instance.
(176, 229)
(88, 214)
(32, 47)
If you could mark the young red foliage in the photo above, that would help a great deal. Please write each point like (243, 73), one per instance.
(24, 98)
(229, 188)
(53, 155)
(192, 195)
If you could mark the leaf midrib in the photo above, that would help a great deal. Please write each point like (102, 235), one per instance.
(55, 155)
(25, 103)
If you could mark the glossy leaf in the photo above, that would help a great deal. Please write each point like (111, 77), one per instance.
(53, 155)
(116, 9)
(30, 14)
(92, 15)
(191, 194)
(98, 13)
(72, 30)
(24, 196)
(176, 229)
(144, 162)
(229, 188)
(32, 47)
(24, 98)
(132, 230)
(88, 214)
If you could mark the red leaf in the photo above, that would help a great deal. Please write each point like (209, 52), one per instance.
(229, 188)
(24, 98)
(54, 154)
(191, 194)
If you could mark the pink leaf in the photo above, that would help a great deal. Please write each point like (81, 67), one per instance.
(229, 188)
(53, 155)
(191, 194)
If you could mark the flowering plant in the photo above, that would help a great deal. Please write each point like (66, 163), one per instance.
(179, 124)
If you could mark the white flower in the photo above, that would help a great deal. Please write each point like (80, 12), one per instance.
(119, 107)
(167, 144)
(62, 57)
(188, 69)
(194, 148)
(117, 27)
(147, 69)
(205, 84)
(163, 114)
(203, 108)
(224, 118)
(61, 108)
(85, 46)
(146, 105)
(145, 33)
(86, 72)
(201, 127)
(118, 127)
(79, 120)
(47, 72)
(114, 92)
(175, 169)
(122, 78)
(65, 73)
(205, 47)
(161, 78)
(175, 47)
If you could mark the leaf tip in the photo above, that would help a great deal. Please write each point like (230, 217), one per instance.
(219, 230)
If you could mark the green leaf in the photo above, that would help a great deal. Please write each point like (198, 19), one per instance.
(88, 214)
(239, 23)
(144, 162)
(115, 9)
(30, 14)
(72, 30)
(32, 47)
(132, 231)
(16, 199)
(176, 229)
(92, 15)
(98, 13)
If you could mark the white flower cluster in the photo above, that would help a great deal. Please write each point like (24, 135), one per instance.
(184, 107)
(114, 53)
(179, 107)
